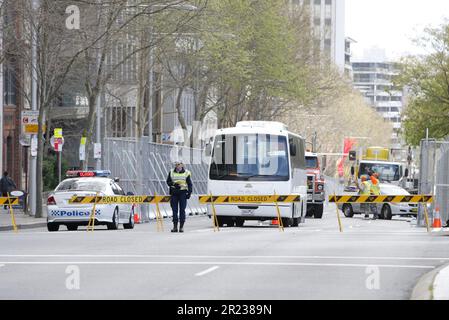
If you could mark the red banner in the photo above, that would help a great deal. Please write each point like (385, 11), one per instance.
(347, 147)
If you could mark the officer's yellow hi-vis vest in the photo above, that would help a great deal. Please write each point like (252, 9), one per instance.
(180, 178)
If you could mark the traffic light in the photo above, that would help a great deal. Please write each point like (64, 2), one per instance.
(352, 155)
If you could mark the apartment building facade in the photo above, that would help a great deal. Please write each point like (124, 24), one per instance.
(328, 23)
(375, 81)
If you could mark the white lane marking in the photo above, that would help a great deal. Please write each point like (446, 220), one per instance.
(202, 273)
(218, 257)
(278, 264)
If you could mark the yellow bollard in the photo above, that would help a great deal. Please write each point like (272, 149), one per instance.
(338, 216)
(426, 216)
(159, 218)
(280, 223)
(91, 224)
(11, 212)
(214, 215)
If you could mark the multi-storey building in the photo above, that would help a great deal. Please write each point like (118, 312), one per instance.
(375, 81)
(328, 23)
(13, 148)
(348, 58)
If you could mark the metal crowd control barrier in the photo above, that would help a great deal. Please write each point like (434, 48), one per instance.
(10, 201)
(145, 199)
(248, 199)
(143, 167)
(420, 199)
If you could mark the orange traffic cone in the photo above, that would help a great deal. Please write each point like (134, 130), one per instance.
(437, 220)
(136, 215)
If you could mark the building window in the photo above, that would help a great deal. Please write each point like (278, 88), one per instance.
(317, 9)
(328, 10)
(9, 85)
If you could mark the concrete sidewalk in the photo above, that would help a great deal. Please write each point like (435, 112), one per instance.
(433, 286)
(23, 221)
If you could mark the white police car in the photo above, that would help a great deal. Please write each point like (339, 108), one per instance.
(87, 183)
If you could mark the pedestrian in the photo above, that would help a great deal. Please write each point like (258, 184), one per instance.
(6, 186)
(180, 183)
(375, 190)
(364, 190)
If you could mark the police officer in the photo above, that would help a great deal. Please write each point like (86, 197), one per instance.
(180, 183)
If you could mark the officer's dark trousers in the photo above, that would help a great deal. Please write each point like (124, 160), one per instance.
(178, 204)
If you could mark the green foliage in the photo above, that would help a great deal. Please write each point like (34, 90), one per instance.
(50, 171)
(427, 78)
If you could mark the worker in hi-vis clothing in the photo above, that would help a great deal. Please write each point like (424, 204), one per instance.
(364, 190)
(375, 190)
(180, 183)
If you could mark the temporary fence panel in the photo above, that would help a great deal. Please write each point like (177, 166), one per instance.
(143, 167)
(434, 177)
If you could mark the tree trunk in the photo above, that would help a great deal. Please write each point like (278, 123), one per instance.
(141, 117)
(181, 119)
(39, 162)
(90, 126)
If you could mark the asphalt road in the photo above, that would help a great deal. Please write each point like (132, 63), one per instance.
(369, 260)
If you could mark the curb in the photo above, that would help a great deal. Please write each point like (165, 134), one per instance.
(424, 289)
(24, 226)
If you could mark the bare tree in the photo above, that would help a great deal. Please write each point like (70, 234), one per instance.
(344, 116)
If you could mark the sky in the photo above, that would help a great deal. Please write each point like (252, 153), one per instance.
(391, 24)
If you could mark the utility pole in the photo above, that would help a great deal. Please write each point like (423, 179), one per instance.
(1, 95)
(34, 107)
(98, 129)
(98, 120)
(314, 142)
(150, 90)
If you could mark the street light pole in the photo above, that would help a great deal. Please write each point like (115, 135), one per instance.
(34, 107)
